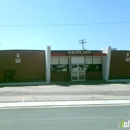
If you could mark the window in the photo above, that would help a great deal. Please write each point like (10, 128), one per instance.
(59, 68)
(88, 60)
(77, 60)
(93, 64)
(54, 61)
(93, 67)
(59, 64)
(97, 60)
(63, 60)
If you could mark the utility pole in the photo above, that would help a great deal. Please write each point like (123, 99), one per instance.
(83, 41)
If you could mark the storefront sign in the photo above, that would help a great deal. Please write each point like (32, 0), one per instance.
(17, 60)
(79, 53)
(127, 59)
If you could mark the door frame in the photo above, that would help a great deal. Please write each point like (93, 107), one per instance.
(77, 73)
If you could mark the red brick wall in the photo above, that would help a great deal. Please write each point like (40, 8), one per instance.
(93, 75)
(60, 76)
(119, 68)
(31, 68)
(66, 76)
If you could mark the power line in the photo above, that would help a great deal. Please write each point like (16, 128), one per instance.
(69, 24)
(83, 41)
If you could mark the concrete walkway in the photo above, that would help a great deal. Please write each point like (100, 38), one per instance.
(65, 91)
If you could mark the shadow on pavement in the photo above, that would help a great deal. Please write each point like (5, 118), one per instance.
(89, 82)
(60, 83)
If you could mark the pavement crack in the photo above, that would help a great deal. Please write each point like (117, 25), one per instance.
(35, 98)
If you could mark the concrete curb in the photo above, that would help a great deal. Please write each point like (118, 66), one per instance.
(64, 103)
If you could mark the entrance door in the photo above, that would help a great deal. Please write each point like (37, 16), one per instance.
(78, 72)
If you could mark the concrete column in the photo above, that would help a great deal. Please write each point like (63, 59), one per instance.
(106, 62)
(48, 60)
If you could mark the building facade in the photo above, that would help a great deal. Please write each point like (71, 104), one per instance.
(21, 66)
(64, 65)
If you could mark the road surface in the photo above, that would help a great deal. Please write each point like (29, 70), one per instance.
(65, 118)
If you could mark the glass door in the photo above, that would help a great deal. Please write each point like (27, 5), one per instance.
(74, 73)
(78, 72)
(81, 72)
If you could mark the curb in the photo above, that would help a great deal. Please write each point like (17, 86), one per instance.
(64, 103)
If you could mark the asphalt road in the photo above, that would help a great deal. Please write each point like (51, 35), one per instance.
(66, 118)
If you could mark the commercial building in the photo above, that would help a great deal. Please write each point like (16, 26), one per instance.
(63, 65)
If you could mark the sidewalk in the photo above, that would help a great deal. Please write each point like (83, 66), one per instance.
(65, 91)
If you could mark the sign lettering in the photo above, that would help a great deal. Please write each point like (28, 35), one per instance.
(79, 53)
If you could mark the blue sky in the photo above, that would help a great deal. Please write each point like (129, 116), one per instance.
(48, 12)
